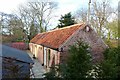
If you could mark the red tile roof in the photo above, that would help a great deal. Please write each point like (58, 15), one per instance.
(55, 38)
(33, 40)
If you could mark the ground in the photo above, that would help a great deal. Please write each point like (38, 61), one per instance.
(37, 69)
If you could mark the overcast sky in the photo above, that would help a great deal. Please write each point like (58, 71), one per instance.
(64, 6)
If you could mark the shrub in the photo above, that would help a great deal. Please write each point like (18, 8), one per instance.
(77, 66)
(109, 68)
(79, 61)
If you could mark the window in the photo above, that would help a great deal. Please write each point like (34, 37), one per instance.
(87, 28)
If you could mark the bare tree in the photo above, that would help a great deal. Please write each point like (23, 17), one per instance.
(12, 26)
(81, 15)
(43, 12)
(16, 28)
(36, 15)
(100, 12)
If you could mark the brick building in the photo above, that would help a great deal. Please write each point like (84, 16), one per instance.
(51, 47)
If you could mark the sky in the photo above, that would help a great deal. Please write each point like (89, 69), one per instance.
(64, 6)
(8, 6)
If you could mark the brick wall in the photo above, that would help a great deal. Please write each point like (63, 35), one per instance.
(94, 41)
(18, 45)
(63, 57)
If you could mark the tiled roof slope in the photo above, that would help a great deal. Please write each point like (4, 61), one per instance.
(55, 38)
(33, 40)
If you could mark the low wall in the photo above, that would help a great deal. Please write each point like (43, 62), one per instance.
(18, 45)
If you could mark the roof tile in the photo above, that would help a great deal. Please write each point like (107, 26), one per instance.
(55, 38)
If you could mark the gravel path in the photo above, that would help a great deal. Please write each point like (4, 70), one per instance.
(37, 69)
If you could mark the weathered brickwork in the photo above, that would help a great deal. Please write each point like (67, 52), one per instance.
(92, 39)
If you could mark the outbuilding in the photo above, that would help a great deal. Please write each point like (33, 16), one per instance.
(51, 48)
(15, 63)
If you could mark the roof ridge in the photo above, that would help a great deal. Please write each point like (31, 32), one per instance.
(63, 28)
(55, 38)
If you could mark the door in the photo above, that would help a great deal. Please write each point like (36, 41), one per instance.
(40, 57)
(45, 56)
